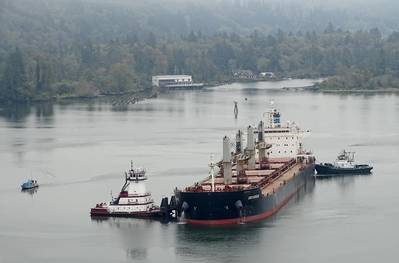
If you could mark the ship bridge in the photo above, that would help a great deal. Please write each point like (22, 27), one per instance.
(286, 140)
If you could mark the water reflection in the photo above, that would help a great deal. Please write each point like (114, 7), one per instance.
(18, 112)
(137, 235)
(15, 112)
(31, 192)
(346, 178)
(208, 244)
(345, 182)
(44, 110)
(120, 107)
(136, 253)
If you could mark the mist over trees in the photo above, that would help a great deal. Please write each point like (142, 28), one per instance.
(56, 48)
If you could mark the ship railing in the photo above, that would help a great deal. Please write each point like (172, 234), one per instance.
(218, 188)
(277, 173)
(126, 194)
(226, 188)
(140, 202)
(140, 195)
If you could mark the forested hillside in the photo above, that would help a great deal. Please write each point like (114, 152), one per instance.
(85, 47)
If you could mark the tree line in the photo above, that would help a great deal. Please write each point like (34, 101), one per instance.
(361, 59)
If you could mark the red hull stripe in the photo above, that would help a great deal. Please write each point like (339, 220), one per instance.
(247, 219)
(125, 214)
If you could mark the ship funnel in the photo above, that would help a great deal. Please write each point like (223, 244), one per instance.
(238, 142)
(251, 148)
(227, 174)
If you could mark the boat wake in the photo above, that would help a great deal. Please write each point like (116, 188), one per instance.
(102, 177)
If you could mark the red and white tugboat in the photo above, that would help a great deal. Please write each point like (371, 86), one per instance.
(133, 200)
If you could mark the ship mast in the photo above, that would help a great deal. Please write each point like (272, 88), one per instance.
(212, 173)
(250, 151)
(227, 173)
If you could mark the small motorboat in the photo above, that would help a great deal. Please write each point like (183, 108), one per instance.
(30, 184)
(343, 165)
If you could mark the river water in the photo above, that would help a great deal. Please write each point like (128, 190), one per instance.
(78, 151)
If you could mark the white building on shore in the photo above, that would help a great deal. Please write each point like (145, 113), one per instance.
(175, 82)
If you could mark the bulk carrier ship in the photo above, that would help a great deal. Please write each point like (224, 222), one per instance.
(252, 183)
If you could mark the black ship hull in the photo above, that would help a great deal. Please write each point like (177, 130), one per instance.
(323, 169)
(227, 208)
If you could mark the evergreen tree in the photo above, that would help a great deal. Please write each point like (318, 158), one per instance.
(15, 86)
(43, 76)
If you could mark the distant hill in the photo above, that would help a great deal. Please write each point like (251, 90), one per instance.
(51, 23)
(71, 48)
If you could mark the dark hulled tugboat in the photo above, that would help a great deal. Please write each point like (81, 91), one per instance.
(133, 199)
(343, 165)
(254, 183)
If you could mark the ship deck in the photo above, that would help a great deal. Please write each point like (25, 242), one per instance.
(285, 177)
(280, 171)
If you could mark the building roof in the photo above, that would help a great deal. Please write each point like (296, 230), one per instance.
(171, 76)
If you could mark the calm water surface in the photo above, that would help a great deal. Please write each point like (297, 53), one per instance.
(79, 151)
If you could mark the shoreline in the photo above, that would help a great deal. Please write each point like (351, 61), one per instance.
(316, 88)
(387, 90)
(126, 97)
(136, 96)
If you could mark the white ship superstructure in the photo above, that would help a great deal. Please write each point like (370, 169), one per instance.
(286, 140)
(133, 196)
(133, 199)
